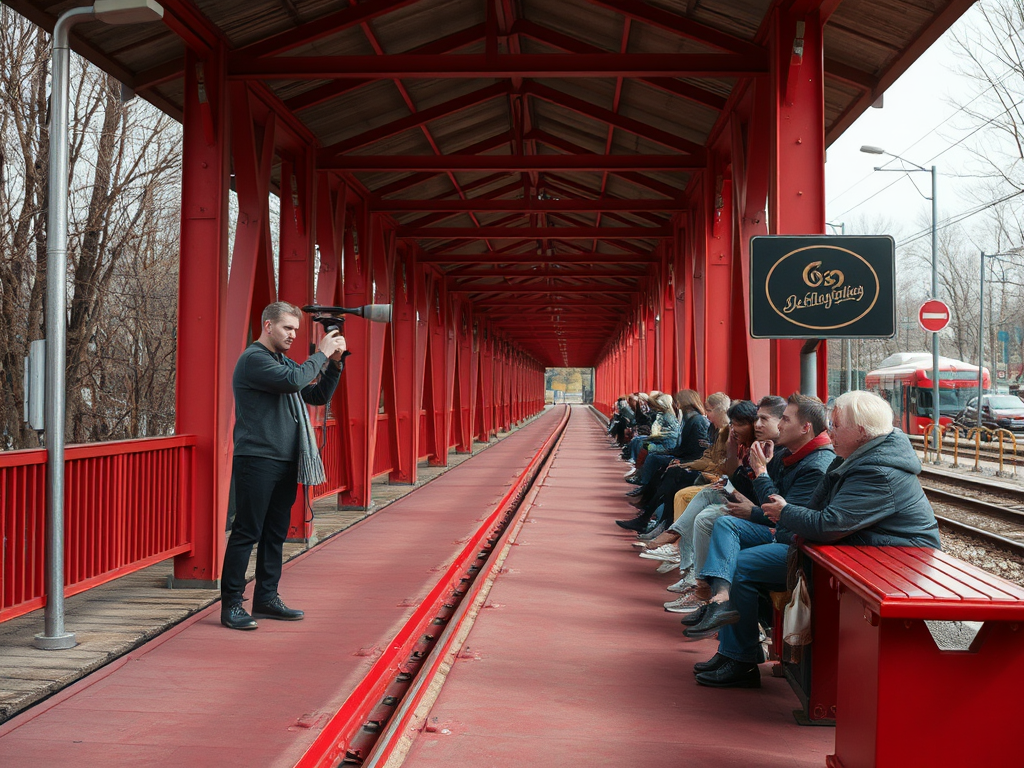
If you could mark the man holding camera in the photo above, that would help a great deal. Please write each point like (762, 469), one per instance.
(267, 437)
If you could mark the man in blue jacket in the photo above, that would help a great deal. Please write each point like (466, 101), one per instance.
(794, 464)
(264, 470)
(872, 498)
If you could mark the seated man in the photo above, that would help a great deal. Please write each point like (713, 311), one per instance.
(709, 505)
(675, 545)
(872, 498)
(794, 465)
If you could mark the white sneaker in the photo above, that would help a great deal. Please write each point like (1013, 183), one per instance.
(683, 585)
(667, 567)
(685, 604)
(666, 552)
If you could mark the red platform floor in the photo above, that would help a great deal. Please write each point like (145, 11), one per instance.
(575, 662)
(201, 695)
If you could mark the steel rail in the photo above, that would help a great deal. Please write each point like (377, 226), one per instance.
(1000, 542)
(350, 735)
(397, 726)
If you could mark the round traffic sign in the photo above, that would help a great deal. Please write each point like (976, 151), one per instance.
(934, 315)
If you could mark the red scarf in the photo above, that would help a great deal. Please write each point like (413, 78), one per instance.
(816, 443)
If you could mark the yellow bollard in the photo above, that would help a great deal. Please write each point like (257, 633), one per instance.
(1013, 439)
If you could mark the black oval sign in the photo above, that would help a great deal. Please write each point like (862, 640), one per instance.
(822, 287)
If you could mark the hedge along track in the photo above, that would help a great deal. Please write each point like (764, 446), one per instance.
(367, 728)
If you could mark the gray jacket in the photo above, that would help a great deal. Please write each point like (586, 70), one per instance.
(873, 498)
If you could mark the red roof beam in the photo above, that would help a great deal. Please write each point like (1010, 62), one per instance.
(532, 258)
(328, 154)
(469, 162)
(557, 39)
(627, 124)
(528, 206)
(534, 233)
(618, 290)
(636, 179)
(325, 26)
(328, 91)
(682, 26)
(405, 66)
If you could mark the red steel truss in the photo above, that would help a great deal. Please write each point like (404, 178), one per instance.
(572, 204)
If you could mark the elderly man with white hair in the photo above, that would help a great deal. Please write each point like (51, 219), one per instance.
(872, 498)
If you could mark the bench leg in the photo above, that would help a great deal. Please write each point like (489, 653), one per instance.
(903, 703)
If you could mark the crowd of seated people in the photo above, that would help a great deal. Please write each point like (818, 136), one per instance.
(767, 476)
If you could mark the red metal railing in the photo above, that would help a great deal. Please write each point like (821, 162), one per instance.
(127, 505)
(330, 451)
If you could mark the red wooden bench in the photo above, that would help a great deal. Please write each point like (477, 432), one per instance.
(900, 701)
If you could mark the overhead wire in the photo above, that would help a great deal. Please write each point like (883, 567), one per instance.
(928, 133)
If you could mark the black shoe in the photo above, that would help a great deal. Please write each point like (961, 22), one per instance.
(638, 523)
(716, 616)
(732, 674)
(635, 492)
(233, 616)
(711, 664)
(691, 619)
(275, 609)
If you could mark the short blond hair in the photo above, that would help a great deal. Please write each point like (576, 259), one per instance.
(867, 410)
(277, 310)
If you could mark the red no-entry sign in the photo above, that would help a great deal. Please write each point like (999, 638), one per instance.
(934, 315)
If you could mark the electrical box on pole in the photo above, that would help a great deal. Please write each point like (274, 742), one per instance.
(35, 384)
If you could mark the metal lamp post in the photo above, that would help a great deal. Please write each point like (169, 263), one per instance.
(981, 324)
(54, 636)
(935, 261)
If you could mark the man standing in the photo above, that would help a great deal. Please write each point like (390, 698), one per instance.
(264, 470)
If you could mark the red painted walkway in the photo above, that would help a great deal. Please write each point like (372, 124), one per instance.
(201, 695)
(576, 663)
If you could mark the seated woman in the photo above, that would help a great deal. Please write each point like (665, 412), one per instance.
(642, 420)
(692, 442)
(664, 431)
(676, 543)
(658, 495)
(621, 420)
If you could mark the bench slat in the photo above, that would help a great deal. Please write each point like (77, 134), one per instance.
(996, 587)
(940, 584)
(911, 582)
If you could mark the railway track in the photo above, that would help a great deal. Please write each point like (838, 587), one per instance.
(998, 521)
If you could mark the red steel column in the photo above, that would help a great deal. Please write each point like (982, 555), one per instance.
(332, 209)
(295, 281)
(464, 367)
(485, 398)
(796, 202)
(439, 409)
(203, 394)
(717, 276)
(409, 331)
(367, 281)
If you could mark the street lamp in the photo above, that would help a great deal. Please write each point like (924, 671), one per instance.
(54, 636)
(935, 264)
(981, 322)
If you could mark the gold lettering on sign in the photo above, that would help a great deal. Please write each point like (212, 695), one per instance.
(828, 288)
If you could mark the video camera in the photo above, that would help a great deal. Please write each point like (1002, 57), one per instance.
(331, 318)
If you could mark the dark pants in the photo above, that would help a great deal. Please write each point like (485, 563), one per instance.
(264, 493)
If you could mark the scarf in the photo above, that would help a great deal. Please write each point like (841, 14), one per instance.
(311, 466)
(818, 442)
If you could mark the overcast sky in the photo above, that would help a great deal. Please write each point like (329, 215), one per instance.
(920, 121)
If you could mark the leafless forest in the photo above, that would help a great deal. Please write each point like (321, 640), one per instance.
(123, 250)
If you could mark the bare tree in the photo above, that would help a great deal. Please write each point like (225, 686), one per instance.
(125, 177)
